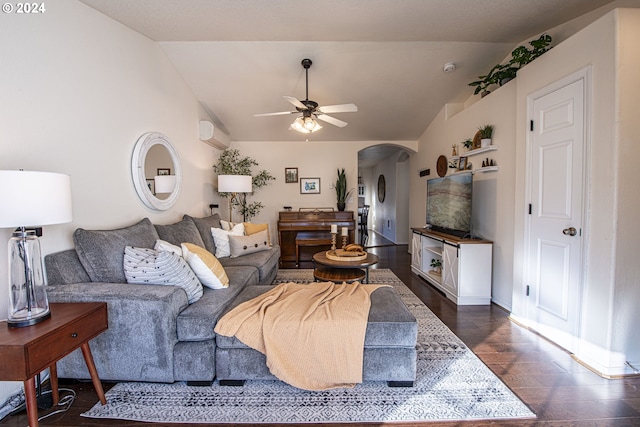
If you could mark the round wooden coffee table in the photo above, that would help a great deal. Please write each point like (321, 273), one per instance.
(326, 269)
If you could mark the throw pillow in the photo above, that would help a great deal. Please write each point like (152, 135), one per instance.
(226, 225)
(206, 266)
(221, 239)
(244, 245)
(250, 228)
(149, 267)
(163, 246)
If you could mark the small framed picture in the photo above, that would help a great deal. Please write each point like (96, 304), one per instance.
(164, 171)
(309, 185)
(462, 164)
(290, 175)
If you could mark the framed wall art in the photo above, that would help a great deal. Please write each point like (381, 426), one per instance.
(309, 185)
(290, 175)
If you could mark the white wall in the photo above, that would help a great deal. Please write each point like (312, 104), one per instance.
(493, 192)
(78, 89)
(317, 159)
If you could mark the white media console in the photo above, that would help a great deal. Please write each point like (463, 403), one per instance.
(465, 275)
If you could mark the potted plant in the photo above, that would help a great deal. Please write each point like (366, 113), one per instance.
(230, 163)
(436, 265)
(486, 133)
(341, 190)
(467, 143)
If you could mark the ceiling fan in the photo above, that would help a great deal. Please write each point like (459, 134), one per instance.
(310, 110)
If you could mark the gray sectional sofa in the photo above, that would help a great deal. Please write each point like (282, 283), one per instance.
(155, 335)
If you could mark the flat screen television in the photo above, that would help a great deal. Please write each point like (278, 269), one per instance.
(449, 204)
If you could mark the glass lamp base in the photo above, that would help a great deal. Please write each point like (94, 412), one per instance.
(21, 319)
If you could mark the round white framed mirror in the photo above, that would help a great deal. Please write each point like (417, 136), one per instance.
(156, 163)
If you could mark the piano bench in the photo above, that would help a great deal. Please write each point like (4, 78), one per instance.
(311, 238)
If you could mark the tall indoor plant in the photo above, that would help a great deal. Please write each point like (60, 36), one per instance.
(341, 190)
(230, 163)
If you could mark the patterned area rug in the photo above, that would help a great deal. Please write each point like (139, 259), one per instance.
(452, 384)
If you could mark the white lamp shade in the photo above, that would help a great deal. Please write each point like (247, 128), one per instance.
(29, 198)
(234, 184)
(164, 183)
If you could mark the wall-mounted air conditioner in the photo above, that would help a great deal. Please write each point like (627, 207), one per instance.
(212, 136)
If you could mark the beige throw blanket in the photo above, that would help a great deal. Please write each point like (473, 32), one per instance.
(311, 334)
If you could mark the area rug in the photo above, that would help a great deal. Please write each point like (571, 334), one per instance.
(452, 384)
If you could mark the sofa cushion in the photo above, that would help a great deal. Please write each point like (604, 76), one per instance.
(221, 239)
(206, 266)
(101, 252)
(196, 322)
(164, 246)
(64, 268)
(145, 266)
(245, 245)
(184, 231)
(251, 228)
(204, 226)
(265, 261)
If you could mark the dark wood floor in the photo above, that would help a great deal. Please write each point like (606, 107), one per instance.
(559, 390)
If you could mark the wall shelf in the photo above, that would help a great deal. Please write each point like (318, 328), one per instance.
(475, 152)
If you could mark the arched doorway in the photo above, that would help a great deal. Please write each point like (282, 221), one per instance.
(383, 190)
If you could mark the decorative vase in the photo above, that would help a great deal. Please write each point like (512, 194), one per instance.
(485, 142)
(341, 206)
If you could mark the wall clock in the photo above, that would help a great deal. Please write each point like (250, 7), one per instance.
(441, 166)
(382, 190)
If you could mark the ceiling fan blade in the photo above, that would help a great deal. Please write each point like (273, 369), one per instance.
(331, 120)
(295, 102)
(281, 113)
(341, 108)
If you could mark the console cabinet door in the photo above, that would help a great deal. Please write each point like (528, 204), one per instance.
(416, 251)
(450, 268)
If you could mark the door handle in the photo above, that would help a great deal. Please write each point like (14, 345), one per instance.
(571, 231)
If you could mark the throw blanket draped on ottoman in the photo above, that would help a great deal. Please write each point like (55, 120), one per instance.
(311, 334)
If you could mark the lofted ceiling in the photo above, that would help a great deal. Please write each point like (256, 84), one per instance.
(240, 57)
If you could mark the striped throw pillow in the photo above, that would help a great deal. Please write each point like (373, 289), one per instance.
(148, 267)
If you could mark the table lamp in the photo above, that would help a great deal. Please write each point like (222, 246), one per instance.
(164, 183)
(29, 199)
(234, 184)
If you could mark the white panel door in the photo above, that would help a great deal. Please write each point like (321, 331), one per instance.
(555, 227)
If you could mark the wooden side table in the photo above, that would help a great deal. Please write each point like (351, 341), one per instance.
(25, 352)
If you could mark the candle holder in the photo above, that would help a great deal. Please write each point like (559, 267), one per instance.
(333, 241)
(344, 241)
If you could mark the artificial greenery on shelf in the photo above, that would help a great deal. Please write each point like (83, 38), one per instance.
(230, 163)
(520, 56)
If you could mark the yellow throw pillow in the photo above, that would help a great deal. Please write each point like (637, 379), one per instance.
(206, 266)
(250, 229)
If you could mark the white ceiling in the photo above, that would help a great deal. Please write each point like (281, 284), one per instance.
(386, 56)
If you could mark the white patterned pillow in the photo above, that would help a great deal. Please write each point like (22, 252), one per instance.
(221, 239)
(148, 267)
(206, 266)
(164, 246)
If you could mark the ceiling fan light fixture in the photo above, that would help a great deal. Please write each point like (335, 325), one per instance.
(305, 125)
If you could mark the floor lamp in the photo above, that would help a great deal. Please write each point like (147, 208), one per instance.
(234, 184)
(27, 200)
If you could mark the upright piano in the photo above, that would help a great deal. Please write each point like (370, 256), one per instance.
(290, 223)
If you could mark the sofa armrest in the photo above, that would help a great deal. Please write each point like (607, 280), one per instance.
(142, 330)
